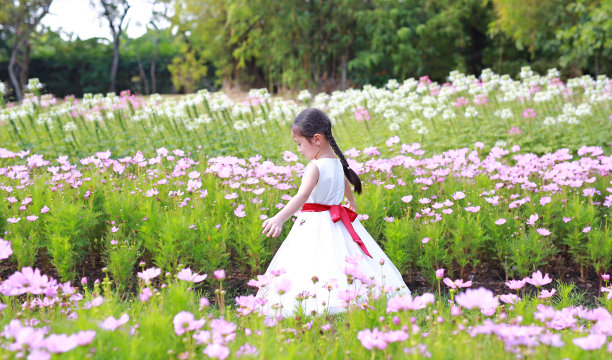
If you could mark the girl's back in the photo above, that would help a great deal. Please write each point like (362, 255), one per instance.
(330, 187)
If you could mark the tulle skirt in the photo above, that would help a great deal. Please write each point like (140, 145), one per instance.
(318, 247)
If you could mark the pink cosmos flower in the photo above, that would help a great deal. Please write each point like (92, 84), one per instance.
(458, 195)
(352, 152)
(537, 279)
(28, 280)
(481, 298)
(500, 221)
(529, 113)
(362, 114)
(545, 200)
(184, 321)
(605, 277)
(282, 285)
(407, 302)
(61, 343)
(246, 349)
(187, 275)
(110, 323)
(288, 156)
(473, 209)
(480, 99)
(515, 130)
(371, 339)
(489, 311)
(371, 151)
(425, 240)
(407, 198)
(5, 249)
(591, 342)
(239, 212)
(31, 217)
(362, 217)
(567, 219)
(543, 232)
(532, 219)
(95, 302)
(114, 229)
(586, 229)
(149, 274)
(219, 274)
(545, 294)
(204, 302)
(13, 220)
(551, 339)
(145, 294)
(509, 298)
(216, 351)
(231, 196)
(457, 284)
(461, 101)
(515, 284)
(392, 140)
(439, 273)
(248, 304)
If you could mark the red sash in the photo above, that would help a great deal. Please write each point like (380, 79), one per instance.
(339, 212)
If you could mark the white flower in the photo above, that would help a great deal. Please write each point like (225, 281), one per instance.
(70, 126)
(304, 95)
(240, 125)
(470, 111)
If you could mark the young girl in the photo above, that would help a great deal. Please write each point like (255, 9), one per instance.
(311, 265)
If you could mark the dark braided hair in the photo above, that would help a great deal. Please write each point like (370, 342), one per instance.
(314, 121)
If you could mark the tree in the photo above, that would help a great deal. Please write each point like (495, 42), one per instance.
(589, 39)
(114, 11)
(18, 21)
(527, 20)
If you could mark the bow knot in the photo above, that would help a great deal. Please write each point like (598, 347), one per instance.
(339, 213)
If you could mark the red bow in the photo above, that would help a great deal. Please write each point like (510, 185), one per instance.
(339, 212)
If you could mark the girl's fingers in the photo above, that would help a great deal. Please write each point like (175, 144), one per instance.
(270, 232)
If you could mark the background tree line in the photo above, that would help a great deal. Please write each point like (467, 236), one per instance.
(320, 44)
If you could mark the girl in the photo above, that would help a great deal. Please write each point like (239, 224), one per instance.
(310, 268)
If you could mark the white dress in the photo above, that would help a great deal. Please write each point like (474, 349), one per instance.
(316, 246)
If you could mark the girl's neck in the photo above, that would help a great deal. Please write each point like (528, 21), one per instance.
(326, 152)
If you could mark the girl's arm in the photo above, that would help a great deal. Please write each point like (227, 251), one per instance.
(348, 192)
(274, 225)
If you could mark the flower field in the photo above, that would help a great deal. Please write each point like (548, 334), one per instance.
(153, 206)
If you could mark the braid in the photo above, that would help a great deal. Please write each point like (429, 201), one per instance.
(348, 172)
(314, 121)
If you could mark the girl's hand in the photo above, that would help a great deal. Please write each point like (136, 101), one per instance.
(351, 205)
(273, 226)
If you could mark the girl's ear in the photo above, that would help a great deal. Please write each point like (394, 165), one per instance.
(317, 138)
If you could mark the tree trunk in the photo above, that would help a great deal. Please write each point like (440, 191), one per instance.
(344, 69)
(24, 65)
(142, 75)
(14, 76)
(115, 64)
(153, 78)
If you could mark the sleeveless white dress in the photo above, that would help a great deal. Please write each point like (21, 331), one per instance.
(316, 246)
